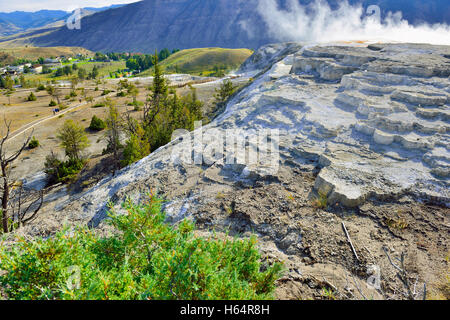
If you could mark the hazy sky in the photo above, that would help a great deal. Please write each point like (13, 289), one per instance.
(67, 5)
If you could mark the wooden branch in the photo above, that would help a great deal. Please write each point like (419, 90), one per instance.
(358, 288)
(390, 261)
(403, 275)
(41, 199)
(19, 152)
(350, 241)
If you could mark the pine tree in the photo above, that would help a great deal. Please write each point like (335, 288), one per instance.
(159, 88)
(73, 139)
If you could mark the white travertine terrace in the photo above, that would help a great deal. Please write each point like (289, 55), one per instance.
(374, 120)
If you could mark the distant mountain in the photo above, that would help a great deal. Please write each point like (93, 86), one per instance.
(113, 6)
(154, 24)
(20, 21)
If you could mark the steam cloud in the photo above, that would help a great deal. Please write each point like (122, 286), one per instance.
(319, 23)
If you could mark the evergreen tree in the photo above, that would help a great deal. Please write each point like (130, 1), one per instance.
(81, 74)
(113, 134)
(225, 91)
(73, 139)
(31, 97)
(159, 88)
(137, 147)
(94, 74)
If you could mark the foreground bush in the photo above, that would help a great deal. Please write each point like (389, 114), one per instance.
(146, 259)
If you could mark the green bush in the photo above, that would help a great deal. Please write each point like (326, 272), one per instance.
(146, 259)
(99, 105)
(52, 103)
(62, 171)
(97, 124)
(31, 97)
(40, 87)
(34, 143)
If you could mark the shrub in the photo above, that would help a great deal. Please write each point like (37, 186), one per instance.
(320, 202)
(31, 97)
(59, 171)
(40, 87)
(136, 147)
(34, 143)
(52, 103)
(146, 259)
(99, 105)
(97, 124)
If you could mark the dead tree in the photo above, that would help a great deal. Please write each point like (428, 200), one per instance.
(113, 134)
(7, 185)
(25, 206)
(412, 292)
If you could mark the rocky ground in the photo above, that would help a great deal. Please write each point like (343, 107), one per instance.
(363, 143)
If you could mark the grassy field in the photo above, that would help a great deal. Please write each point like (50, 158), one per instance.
(203, 61)
(33, 53)
(104, 68)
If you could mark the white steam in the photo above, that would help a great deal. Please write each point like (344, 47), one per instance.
(319, 23)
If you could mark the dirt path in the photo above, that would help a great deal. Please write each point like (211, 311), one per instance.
(31, 125)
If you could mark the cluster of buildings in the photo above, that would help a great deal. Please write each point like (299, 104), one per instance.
(30, 68)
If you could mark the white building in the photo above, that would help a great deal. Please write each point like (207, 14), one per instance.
(18, 69)
(37, 68)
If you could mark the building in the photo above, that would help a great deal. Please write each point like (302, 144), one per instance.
(37, 68)
(16, 69)
(52, 61)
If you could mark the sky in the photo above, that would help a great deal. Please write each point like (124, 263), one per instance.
(67, 5)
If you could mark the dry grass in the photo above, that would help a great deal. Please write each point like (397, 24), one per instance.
(202, 60)
(33, 53)
(397, 223)
(320, 201)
